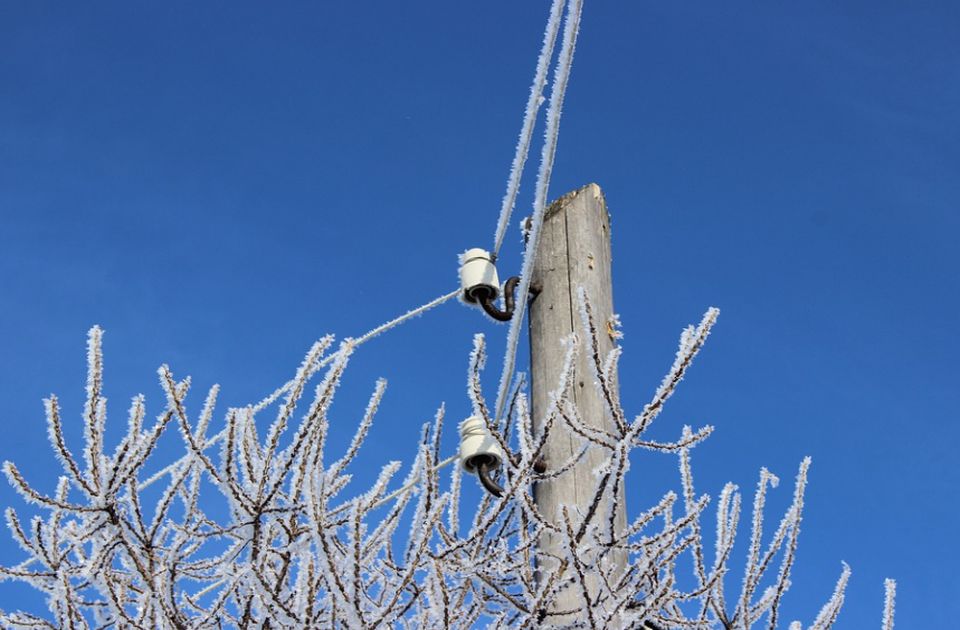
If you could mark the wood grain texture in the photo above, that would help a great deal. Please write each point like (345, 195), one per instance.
(574, 251)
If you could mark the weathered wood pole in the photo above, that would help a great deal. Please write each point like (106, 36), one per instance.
(574, 251)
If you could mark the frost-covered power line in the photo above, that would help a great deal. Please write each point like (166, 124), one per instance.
(557, 92)
(529, 121)
(349, 345)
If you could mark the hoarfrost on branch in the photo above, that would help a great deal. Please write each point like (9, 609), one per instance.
(300, 547)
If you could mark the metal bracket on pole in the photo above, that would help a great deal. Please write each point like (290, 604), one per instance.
(509, 297)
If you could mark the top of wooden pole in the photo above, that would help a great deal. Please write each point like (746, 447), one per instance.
(563, 201)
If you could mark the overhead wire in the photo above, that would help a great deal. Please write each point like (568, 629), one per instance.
(348, 343)
(548, 152)
(534, 102)
(359, 341)
(558, 90)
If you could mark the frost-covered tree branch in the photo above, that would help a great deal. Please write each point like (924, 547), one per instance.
(271, 531)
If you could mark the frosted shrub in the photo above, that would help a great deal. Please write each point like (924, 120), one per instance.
(297, 546)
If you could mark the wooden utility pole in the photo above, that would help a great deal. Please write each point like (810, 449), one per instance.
(574, 251)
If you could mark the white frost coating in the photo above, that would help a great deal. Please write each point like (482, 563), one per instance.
(93, 420)
(412, 484)
(285, 556)
(752, 572)
(561, 78)
(382, 328)
(283, 389)
(529, 122)
(828, 614)
(404, 318)
(795, 515)
(728, 515)
(889, 601)
(524, 435)
(362, 430)
(453, 509)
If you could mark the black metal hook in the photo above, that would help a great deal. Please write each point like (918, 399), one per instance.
(509, 296)
(485, 466)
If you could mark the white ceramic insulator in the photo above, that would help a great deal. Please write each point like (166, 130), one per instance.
(478, 271)
(475, 440)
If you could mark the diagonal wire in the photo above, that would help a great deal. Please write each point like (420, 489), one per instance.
(560, 80)
(529, 121)
(266, 402)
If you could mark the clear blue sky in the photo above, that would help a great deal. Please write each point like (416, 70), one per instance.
(218, 184)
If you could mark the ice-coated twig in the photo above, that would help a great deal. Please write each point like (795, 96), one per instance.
(889, 602)
(828, 614)
(795, 514)
(299, 546)
(94, 409)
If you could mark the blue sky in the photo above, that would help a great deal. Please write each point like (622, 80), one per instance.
(218, 184)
